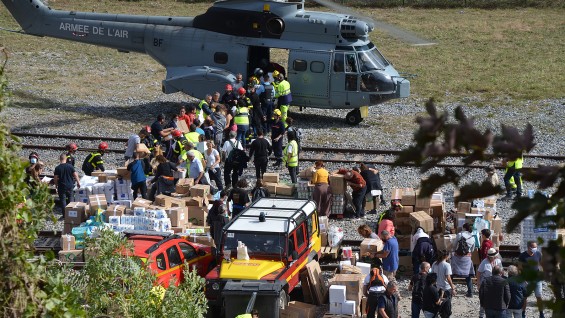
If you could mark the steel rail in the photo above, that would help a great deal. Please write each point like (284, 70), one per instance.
(304, 148)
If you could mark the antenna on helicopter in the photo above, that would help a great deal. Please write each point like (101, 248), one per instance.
(393, 31)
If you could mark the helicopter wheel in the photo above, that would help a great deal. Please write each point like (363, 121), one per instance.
(353, 117)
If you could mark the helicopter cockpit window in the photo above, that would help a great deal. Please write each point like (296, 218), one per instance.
(220, 58)
(299, 65)
(371, 61)
(350, 63)
(317, 67)
(338, 63)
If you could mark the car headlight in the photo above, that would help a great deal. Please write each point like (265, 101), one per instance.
(215, 286)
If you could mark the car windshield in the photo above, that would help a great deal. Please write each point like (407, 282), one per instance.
(257, 243)
(371, 60)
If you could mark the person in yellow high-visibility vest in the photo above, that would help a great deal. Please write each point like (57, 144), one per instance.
(514, 168)
(241, 118)
(283, 95)
(204, 107)
(290, 155)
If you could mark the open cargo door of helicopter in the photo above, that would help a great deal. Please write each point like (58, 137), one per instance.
(308, 74)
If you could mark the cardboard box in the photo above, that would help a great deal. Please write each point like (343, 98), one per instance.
(288, 313)
(183, 185)
(423, 220)
(272, 187)
(353, 284)
(141, 203)
(396, 194)
(304, 310)
(68, 242)
(349, 307)
(71, 256)
(183, 127)
(464, 207)
(335, 308)
(363, 306)
(76, 212)
(271, 177)
(124, 173)
(68, 227)
(475, 257)
(116, 210)
(496, 224)
(285, 189)
(202, 239)
(423, 203)
(404, 241)
(195, 201)
(324, 238)
(178, 229)
(177, 202)
(407, 209)
(445, 242)
(490, 202)
(142, 150)
(178, 216)
(163, 200)
(199, 190)
(97, 201)
(337, 293)
(196, 215)
(371, 246)
(337, 184)
(324, 223)
(405, 265)
(408, 196)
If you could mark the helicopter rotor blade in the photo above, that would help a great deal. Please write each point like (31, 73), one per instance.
(393, 31)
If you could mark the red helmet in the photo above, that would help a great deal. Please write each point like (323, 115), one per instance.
(177, 133)
(103, 146)
(229, 87)
(72, 146)
(241, 91)
(148, 129)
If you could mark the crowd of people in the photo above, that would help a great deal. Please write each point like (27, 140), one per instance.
(501, 292)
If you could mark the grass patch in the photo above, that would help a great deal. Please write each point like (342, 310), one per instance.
(490, 54)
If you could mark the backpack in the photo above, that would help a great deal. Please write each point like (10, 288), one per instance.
(237, 156)
(463, 247)
(259, 193)
(418, 289)
(376, 278)
(424, 251)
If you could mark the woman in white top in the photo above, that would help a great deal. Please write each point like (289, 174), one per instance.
(213, 164)
(485, 270)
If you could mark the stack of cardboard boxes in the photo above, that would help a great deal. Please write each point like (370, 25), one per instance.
(346, 291)
(275, 187)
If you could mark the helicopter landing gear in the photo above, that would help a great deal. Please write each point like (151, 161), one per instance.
(353, 117)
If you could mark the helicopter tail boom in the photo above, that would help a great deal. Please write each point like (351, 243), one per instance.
(119, 31)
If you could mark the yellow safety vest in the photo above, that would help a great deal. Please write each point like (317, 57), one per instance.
(517, 164)
(199, 108)
(192, 137)
(241, 116)
(283, 88)
(293, 162)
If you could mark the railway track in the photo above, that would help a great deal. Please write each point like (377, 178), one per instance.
(341, 155)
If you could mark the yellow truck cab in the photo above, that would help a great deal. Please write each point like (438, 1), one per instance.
(281, 236)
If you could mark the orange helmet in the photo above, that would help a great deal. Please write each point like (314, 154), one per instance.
(72, 146)
(177, 133)
(229, 87)
(103, 146)
(241, 91)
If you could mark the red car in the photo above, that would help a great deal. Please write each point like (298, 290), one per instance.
(166, 256)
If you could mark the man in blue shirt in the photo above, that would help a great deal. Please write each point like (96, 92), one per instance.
(389, 254)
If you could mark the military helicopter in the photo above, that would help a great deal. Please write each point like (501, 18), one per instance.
(331, 61)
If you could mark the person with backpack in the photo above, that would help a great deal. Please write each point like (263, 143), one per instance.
(416, 286)
(260, 191)
(297, 132)
(239, 197)
(374, 285)
(461, 262)
(423, 252)
(231, 175)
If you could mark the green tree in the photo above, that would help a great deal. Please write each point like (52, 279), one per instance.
(438, 137)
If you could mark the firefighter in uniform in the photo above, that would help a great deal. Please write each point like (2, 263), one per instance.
(266, 96)
(277, 134)
(514, 168)
(204, 106)
(283, 96)
(94, 160)
(178, 146)
(241, 118)
(71, 150)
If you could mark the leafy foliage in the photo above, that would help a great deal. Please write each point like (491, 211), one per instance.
(437, 138)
